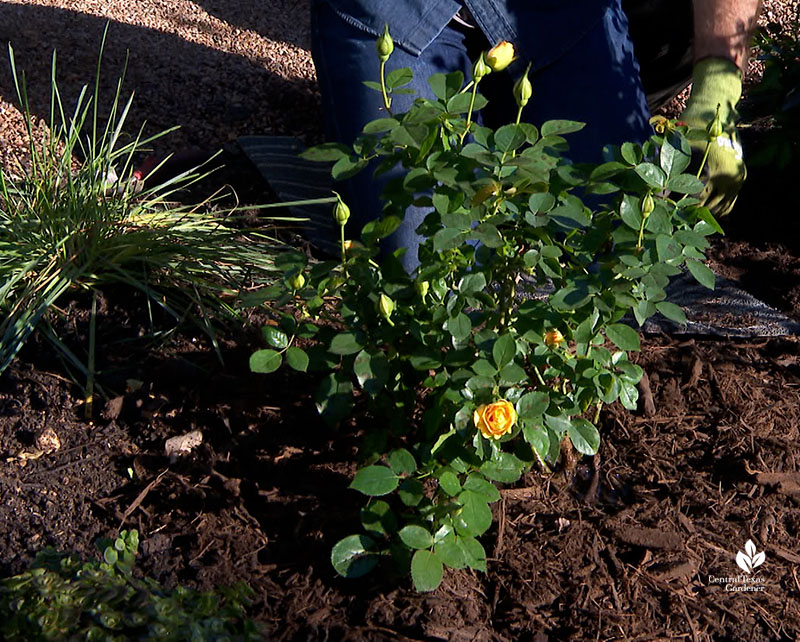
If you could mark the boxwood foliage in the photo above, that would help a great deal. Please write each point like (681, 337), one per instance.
(61, 597)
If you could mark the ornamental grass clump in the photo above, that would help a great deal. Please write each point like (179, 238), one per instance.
(469, 373)
(74, 219)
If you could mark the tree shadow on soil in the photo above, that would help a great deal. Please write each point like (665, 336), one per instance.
(288, 24)
(215, 96)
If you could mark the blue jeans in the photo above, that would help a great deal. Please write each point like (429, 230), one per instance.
(596, 82)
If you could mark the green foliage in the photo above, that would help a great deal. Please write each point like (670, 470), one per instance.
(775, 101)
(74, 218)
(62, 598)
(467, 383)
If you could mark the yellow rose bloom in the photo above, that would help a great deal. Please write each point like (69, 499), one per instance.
(495, 419)
(660, 124)
(353, 245)
(553, 339)
(500, 56)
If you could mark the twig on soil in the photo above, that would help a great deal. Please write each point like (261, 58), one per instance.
(765, 619)
(664, 586)
(695, 372)
(528, 492)
(648, 404)
(501, 528)
(140, 497)
(689, 621)
(202, 552)
(82, 460)
(395, 634)
(498, 546)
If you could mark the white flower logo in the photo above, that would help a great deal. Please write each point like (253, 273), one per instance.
(748, 560)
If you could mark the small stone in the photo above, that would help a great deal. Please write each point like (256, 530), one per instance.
(48, 441)
(181, 444)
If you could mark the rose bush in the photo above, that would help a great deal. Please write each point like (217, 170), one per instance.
(508, 338)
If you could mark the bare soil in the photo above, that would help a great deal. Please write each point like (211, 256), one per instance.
(632, 545)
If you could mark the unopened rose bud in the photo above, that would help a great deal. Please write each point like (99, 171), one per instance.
(714, 128)
(523, 90)
(500, 56)
(422, 288)
(297, 281)
(648, 205)
(480, 68)
(384, 45)
(485, 192)
(386, 307)
(553, 339)
(340, 211)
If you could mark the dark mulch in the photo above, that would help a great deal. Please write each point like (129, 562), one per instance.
(623, 548)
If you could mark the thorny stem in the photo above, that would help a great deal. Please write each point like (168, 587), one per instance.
(641, 235)
(344, 251)
(705, 158)
(699, 173)
(507, 298)
(516, 122)
(387, 102)
(597, 410)
(545, 468)
(469, 112)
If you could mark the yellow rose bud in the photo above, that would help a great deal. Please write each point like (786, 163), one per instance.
(495, 419)
(340, 211)
(480, 68)
(523, 90)
(485, 192)
(353, 245)
(384, 45)
(648, 205)
(553, 339)
(422, 288)
(500, 56)
(297, 281)
(386, 307)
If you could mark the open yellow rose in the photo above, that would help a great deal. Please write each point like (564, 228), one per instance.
(500, 56)
(553, 339)
(495, 419)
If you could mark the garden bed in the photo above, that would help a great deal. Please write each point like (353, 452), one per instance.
(629, 545)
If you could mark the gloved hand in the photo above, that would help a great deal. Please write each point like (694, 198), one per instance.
(717, 81)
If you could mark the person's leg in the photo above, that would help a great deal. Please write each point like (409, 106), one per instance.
(597, 82)
(345, 56)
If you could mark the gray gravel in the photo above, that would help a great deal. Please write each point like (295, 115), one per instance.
(218, 68)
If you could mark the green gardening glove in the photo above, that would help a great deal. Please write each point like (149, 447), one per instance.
(717, 82)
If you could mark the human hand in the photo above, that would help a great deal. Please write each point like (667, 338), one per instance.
(716, 89)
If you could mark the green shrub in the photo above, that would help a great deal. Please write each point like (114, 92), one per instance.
(773, 104)
(468, 384)
(62, 598)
